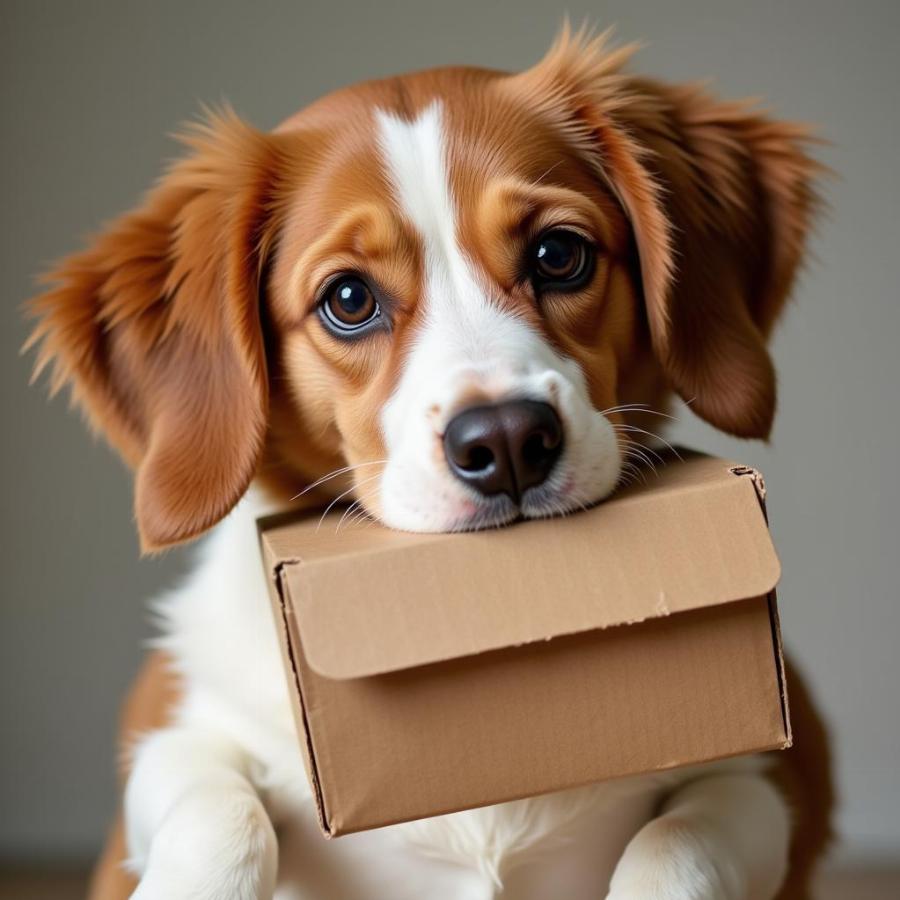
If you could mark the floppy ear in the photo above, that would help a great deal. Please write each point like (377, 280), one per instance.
(157, 329)
(720, 199)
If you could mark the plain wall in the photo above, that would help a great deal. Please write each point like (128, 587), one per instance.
(88, 93)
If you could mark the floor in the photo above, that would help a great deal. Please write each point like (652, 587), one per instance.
(883, 885)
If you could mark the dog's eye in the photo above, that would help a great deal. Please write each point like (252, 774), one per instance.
(561, 260)
(349, 305)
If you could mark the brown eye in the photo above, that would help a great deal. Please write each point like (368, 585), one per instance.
(349, 305)
(561, 260)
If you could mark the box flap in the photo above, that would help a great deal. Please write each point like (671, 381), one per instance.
(368, 600)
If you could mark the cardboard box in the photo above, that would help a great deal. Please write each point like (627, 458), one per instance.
(432, 673)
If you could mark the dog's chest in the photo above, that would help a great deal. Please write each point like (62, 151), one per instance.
(560, 845)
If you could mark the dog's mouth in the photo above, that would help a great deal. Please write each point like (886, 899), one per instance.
(465, 510)
(544, 502)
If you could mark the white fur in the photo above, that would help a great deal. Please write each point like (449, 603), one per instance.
(467, 345)
(723, 836)
(205, 793)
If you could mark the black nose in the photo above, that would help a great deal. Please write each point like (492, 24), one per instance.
(504, 448)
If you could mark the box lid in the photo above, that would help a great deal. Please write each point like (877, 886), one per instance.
(369, 600)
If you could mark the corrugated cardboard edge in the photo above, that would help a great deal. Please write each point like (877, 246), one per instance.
(304, 731)
(760, 485)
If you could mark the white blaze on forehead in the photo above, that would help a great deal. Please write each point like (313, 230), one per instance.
(466, 341)
(415, 158)
(458, 312)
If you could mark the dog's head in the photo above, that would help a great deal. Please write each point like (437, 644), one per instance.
(458, 282)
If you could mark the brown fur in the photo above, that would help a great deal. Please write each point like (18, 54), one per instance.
(147, 708)
(803, 774)
(156, 327)
(188, 333)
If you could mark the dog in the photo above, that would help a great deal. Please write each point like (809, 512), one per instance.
(456, 297)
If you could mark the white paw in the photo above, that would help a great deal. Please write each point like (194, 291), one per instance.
(212, 846)
(674, 859)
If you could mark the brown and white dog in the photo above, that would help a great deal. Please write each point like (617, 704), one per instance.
(454, 295)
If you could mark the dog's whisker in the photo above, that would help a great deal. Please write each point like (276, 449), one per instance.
(344, 494)
(361, 515)
(644, 447)
(643, 450)
(637, 408)
(356, 512)
(622, 406)
(637, 453)
(335, 473)
(637, 471)
(358, 517)
(630, 474)
(660, 438)
(629, 468)
(350, 509)
(649, 412)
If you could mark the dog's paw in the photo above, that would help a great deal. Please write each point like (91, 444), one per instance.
(212, 846)
(673, 859)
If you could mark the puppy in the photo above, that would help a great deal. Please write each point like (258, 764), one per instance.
(455, 297)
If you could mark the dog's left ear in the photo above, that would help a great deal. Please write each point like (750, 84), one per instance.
(720, 199)
(156, 327)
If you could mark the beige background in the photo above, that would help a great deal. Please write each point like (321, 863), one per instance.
(88, 92)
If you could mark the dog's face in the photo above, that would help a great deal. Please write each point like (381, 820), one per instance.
(456, 307)
(457, 284)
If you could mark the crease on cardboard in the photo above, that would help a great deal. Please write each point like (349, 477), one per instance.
(314, 778)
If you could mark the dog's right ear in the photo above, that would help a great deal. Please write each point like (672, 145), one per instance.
(156, 327)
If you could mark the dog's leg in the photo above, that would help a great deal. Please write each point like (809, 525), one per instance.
(722, 837)
(195, 826)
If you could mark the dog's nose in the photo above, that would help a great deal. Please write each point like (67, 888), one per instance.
(504, 448)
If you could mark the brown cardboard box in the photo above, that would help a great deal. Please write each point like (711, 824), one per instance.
(432, 673)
